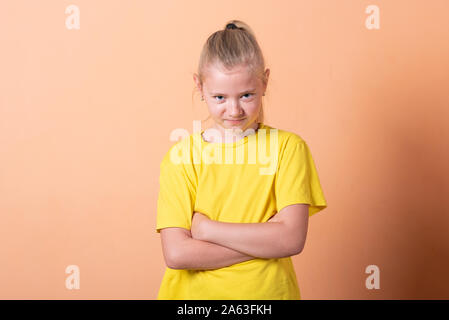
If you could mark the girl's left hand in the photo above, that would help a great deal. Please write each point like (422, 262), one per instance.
(199, 226)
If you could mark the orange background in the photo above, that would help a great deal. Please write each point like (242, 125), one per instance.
(85, 118)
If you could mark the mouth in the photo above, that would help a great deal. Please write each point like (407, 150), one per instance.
(235, 121)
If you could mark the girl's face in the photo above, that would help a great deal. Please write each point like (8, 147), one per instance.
(234, 98)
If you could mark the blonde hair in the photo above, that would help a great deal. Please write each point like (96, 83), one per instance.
(231, 47)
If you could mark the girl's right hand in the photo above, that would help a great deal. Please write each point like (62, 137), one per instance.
(198, 226)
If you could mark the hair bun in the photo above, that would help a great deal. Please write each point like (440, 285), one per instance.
(231, 26)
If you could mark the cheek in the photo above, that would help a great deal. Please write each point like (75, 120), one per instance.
(216, 110)
(253, 108)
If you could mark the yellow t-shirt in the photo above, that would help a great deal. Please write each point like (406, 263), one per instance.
(247, 181)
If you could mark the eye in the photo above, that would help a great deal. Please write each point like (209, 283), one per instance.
(246, 94)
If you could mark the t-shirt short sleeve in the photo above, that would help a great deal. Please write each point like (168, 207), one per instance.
(176, 197)
(297, 179)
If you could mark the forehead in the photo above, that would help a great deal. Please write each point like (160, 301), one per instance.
(223, 80)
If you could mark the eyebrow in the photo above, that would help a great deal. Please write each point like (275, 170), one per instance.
(222, 94)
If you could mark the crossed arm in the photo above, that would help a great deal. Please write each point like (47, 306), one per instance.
(211, 244)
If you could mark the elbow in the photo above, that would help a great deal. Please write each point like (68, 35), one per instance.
(173, 259)
(296, 250)
(294, 242)
(295, 247)
(174, 247)
(171, 264)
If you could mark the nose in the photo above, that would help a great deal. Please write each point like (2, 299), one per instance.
(235, 111)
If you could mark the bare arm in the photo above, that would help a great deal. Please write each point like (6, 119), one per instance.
(283, 235)
(181, 251)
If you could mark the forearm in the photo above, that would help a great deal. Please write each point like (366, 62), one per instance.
(262, 240)
(202, 255)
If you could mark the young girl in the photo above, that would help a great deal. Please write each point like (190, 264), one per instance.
(229, 224)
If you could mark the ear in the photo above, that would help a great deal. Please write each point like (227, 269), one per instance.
(196, 79)
(267, 75)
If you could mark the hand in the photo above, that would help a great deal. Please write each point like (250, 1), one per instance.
(199, 226)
